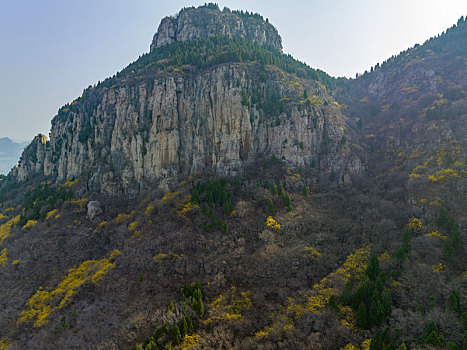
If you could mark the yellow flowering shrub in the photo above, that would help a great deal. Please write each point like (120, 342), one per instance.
(271, 223)
(190, 342)
(311, 252)
(167, 196)
(444, 174)
(148, 210)
(69, 183)
(337, 104)
(15, 262)
(396, 284)
(5, 229)
(133, 228)
(45, 301)
(162, 257)
(436, 234)
(5, 343)
(438, 268)
(384, 256)
(3, 257)
(348, 317)
(79, 204)
(188, 207)
(415, 224)
(123, 217)
(229, 307)
(366, 344)
(51, 214)
(30, 224)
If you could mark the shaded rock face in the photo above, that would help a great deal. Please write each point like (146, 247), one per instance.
(202, 22)
(155, 132)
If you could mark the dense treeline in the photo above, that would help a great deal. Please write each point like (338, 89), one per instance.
(239, 13)
(42, 199)
(215, 199)
(205, 52)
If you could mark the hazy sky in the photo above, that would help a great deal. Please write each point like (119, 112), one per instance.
(50, 50)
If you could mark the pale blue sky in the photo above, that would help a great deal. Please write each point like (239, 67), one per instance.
(50, 50)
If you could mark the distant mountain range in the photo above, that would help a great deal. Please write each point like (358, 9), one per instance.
(10, 151)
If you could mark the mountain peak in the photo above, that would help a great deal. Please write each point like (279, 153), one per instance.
(208, 20)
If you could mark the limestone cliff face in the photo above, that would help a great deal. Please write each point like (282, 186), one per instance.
(153, 132)
(193, 23)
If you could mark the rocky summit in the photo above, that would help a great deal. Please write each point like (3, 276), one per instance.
(219, 194)
(209, 21)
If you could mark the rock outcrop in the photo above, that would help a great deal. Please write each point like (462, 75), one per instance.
(193, 23)
(94, 210)
(179, 124)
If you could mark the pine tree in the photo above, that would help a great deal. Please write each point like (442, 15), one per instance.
(274, 190)
(190, 328)
(377, 342)
(183, 327)
(453, 302)
(386, 299)
(406, 236)
(280, 190)
(333, 303)
(376, 309)
(373, 270)
(270, 207)
(175, 334)
(433, 339)
(171, 306)
(152, 345)
(361, 316)
(286, 200)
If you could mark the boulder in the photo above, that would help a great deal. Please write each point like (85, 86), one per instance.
(94, 210)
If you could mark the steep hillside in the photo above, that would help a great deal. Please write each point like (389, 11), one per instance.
(412, 116)
(218, 194)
